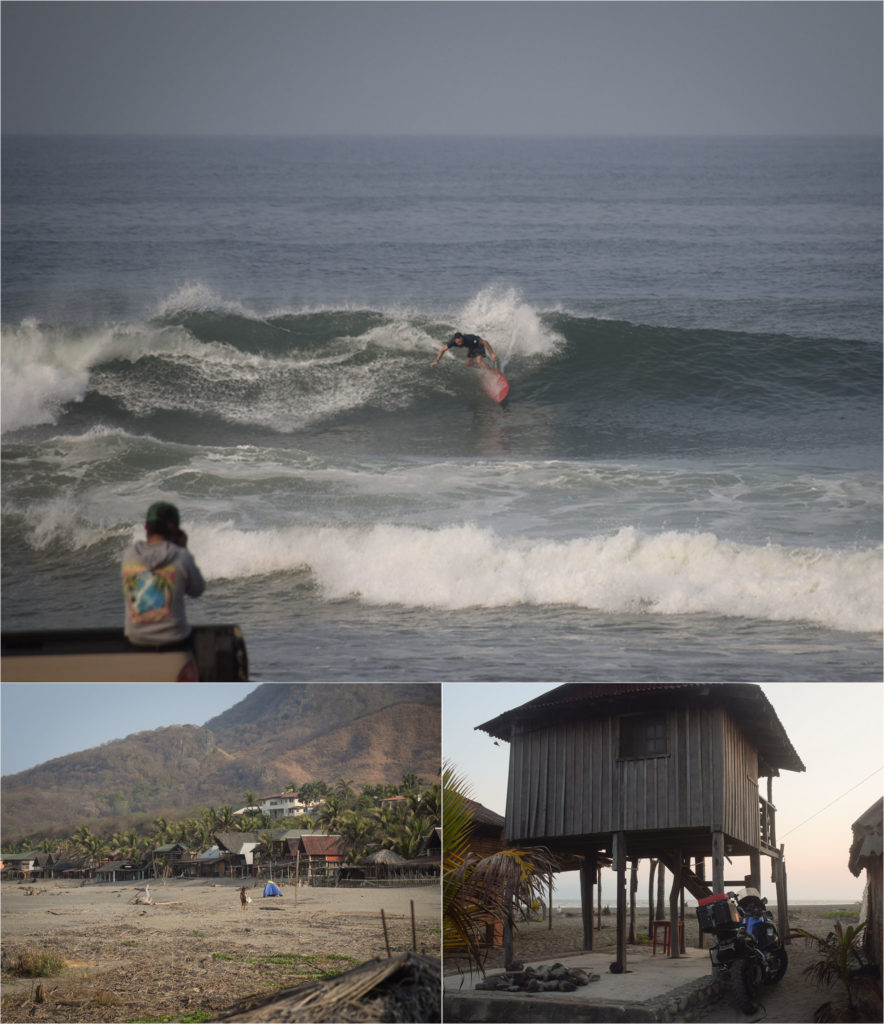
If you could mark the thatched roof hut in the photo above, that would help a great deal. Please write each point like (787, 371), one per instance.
(866, 855)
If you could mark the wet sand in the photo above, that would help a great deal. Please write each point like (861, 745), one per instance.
(194, 949)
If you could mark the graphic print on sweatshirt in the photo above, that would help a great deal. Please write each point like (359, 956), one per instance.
(148, 592)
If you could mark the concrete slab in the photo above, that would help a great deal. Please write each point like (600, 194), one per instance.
(653, 988)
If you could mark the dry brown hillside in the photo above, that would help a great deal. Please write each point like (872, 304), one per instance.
(365, 733)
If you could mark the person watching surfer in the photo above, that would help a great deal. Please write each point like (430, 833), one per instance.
(157, 574)
(476, 347)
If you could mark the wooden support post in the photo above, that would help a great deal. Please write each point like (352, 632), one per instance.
(633, 888)
(549, 904)
(674, 943)
(755, 870)
(508, 931)
(782, 899)
(599, 899)
(700, 872)
(588, 871)
(620, 869)
(651, 872)
(718, 861)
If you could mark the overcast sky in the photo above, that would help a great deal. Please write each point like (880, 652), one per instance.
(442, 67)
(835, 729)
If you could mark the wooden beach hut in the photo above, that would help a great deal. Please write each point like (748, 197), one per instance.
(670, 771)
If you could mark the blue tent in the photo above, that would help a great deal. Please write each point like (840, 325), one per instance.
(271, 890)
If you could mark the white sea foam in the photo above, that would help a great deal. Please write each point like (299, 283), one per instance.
(48, 366)
(513, 327)
(672, 573)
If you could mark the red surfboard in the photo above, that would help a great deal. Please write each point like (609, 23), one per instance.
(494, 384)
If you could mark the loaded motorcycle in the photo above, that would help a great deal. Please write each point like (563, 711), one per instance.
(747, 945)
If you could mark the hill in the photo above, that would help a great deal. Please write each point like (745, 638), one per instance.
(365, 733)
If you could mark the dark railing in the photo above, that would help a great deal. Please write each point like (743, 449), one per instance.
(767, 820)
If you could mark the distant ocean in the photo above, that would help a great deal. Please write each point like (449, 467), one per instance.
(684, 484)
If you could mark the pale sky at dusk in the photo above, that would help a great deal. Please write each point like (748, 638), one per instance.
(441, 68)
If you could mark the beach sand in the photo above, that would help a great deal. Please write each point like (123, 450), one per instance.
(792, 1001)
(194, 949)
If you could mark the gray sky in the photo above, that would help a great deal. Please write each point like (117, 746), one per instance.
(834, 727)
(442, 67)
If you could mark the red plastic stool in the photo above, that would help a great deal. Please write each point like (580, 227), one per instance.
(665, 925)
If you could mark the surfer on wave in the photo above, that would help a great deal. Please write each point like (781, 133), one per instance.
(477, 348)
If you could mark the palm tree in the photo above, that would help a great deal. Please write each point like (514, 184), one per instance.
(359, 835)
(91, 846)
(410, 783)
(160, 832)
(344, 789)
(409, 836)
(475, 888)
(330, 812)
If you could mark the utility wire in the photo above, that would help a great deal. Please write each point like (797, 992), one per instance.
(835, 801)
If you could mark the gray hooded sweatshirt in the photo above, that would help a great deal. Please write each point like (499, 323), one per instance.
(155, 579)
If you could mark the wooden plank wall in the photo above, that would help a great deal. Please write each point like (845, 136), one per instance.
(567, 779)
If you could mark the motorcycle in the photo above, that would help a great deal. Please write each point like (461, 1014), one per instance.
(747, 945)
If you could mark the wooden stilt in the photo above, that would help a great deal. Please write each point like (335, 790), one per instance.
(620, 869)
(674, 942)
(588, 871)
(782, 898)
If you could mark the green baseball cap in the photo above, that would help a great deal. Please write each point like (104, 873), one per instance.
(163, 512)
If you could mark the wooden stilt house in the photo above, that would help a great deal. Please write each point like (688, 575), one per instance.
(644, 770)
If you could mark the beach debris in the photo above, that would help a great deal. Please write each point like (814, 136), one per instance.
(404, 987)
(553, 978)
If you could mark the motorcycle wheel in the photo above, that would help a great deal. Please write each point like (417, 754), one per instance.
(782, 965)
(746, 980)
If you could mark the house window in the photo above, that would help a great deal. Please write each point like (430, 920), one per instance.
(643, 736)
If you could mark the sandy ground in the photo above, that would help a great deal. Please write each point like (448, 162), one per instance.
(792, 1001)
(194, 949)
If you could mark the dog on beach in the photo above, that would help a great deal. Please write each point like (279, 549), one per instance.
(244, 897)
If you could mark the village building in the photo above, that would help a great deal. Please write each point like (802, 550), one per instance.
(282, 805)
(666, 771)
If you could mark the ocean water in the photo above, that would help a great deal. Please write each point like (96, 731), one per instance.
(684, 483)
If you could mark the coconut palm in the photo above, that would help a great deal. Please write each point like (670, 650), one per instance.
(476, 889)
(329, 813)
(160, 831)
(841, 955)
(359, 835)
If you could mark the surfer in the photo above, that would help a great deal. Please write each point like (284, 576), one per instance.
(476, 347)
(157, 573)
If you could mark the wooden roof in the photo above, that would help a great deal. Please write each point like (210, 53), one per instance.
(746, 703)
(322, 846)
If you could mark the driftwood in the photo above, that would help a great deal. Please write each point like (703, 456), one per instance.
(402, 988)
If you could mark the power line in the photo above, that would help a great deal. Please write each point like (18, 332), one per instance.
(835, 801)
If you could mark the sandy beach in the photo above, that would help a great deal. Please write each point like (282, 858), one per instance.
(193, 950)
(792, 1001)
